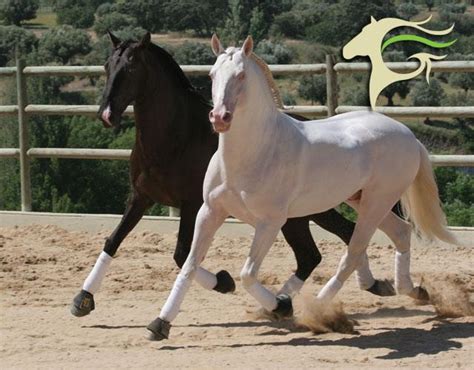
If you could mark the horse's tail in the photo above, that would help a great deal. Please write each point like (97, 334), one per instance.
(421, 204)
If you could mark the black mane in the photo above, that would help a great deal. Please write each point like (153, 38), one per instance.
(170, 64)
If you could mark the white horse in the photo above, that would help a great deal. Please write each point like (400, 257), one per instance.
(269, 167)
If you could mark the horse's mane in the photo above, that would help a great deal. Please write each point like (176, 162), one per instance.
(269, 77)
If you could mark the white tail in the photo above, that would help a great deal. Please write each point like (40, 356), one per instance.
(421, 204)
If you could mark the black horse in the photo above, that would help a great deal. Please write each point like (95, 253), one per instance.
(174, 144)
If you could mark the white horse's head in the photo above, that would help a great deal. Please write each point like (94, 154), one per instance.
(228, 80)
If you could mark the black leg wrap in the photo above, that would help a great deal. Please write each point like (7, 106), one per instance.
(82, 304)
(285, 307)
(225, 283)
(382, 288)
(158, 329)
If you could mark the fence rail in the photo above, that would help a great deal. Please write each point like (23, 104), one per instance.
(331, 69)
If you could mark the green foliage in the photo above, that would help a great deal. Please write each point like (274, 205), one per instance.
(357, 94)
(16, 11)
(424, 94)
(407, 10)
(456, 190)
(149, 14)
(113, 22)
(11, 37)
(203, 17)
(313, 88)
(350, 16)
(257, 28)
(274, 52)
(62, 44)
(77, 13)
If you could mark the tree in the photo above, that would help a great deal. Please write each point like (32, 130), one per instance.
(357, 94)
(12, 37)
(149, 14)
(313, 88)
(429, 4)
(61, 44)
(16, 11)
(431, 95)
(77, 13)
(257, 28)
(203, 17)
(407, 10)
(114, 21)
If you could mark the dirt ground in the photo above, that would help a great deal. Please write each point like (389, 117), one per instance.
(43, 267)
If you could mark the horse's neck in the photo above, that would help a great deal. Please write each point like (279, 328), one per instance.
(253, 127)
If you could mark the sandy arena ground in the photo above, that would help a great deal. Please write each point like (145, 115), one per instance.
(43, 267)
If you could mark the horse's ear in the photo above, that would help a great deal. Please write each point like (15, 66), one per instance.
(216, 45)
(247, 47)
(145, 41)
(114, 39)
(372, 20)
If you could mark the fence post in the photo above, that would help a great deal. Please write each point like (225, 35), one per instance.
(331, 85)
(23, 135)
(174, 212)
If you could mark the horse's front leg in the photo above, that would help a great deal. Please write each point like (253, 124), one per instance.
(221, 282)
(208, 221)
(83, 302)
(280, 305)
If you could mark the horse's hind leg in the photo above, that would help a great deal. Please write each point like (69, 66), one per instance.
(297, 234)
(83, 302)
(221, 282)
(371, 213)
(399, 231)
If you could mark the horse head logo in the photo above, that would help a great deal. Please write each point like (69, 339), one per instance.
(369, 43)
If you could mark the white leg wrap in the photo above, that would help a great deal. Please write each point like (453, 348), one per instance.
(403, 283)
(364, 276)
(206, 279)
(266, 298)
(93, 281)
(171, 308)
(330, 289)
(292, 286)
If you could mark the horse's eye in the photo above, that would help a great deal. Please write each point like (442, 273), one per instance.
(241, 76)
(130, 58)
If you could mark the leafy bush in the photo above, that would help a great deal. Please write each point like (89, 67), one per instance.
(16, 11)
(313, 88)
(62, 43)
(12, 37)
(77, 13)
(274, 52)
(114, 21)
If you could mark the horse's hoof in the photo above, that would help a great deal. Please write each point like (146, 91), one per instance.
(420, 294)
(225, 283)
(284, 308)
(382, 288)
(158, 330)
(82, 304)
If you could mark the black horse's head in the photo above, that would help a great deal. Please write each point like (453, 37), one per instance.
(126, 72)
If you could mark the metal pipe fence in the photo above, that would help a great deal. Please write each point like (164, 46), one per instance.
(23, 110)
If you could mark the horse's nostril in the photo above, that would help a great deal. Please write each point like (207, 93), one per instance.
(227, 117)
(211, 115)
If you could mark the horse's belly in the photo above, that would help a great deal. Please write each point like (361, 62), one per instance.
(330, 181)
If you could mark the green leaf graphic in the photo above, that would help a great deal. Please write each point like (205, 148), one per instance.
(423, 40)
